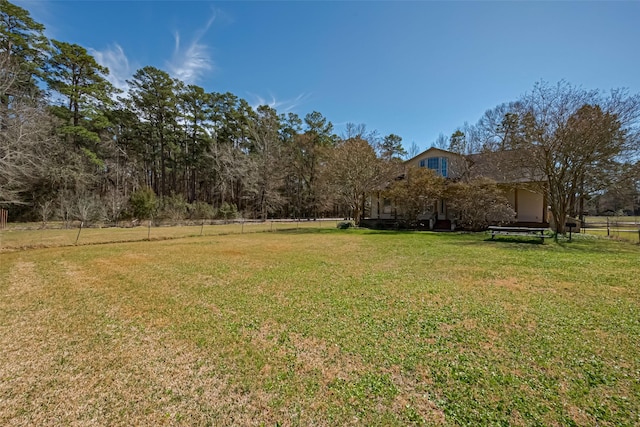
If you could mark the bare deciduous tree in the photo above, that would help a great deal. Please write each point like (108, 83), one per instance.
(114, 205)
(45, 210)
(575, 138)
(25, 136)
(267, 171)
(413, 151)
(355, 170)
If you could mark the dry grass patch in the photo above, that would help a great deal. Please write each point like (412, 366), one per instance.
(30, 236)
(323, 328)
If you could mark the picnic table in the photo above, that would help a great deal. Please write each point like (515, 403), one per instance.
(519, 231)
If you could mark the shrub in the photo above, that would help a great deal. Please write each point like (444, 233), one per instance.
(174, 207)
(143, 203)
(416, 193)
(478, 204)
(227, 211)
(343, 225)
(201, 210)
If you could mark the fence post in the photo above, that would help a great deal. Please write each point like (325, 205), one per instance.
(4, 216)
(79, 230)
(607, 226)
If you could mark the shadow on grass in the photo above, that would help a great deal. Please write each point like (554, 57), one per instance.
(464, 238)
(389, 232)
(358, 231)
(598, 245)
(524, 240)
(307, 230)
(364, 231)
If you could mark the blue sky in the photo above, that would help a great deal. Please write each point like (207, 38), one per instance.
(416, 69)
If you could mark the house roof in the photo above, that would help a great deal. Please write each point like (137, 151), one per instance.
(507, 166)
(431, 150)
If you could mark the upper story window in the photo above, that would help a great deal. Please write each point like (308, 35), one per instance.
(438, 164)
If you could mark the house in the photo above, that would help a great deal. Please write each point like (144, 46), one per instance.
(521, 186)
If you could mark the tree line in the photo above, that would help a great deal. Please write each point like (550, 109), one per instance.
(73, 145)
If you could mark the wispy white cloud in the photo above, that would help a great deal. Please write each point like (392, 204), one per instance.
(281, 105)
(189, 62)
(114, 58)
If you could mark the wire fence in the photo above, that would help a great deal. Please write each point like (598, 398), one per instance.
(618, 227)
(57, 234)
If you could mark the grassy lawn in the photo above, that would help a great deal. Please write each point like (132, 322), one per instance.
(31, 235)
(621, 227)
(616, 233)
(613, 219)
(322, 327)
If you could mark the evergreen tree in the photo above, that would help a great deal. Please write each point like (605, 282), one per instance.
(152, 96)
(195, 108)
(391, 148)
(84, 94)
(23, 45)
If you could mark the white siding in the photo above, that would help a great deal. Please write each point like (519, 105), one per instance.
(530, 206)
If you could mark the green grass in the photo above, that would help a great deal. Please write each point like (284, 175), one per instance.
(613, 219)
(627, 234)
(620, 227)
(322, 327)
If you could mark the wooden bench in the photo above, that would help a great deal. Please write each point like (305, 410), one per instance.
(518, 231)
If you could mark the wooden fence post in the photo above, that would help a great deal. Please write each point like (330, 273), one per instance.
(4, 217)
(79, 230)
